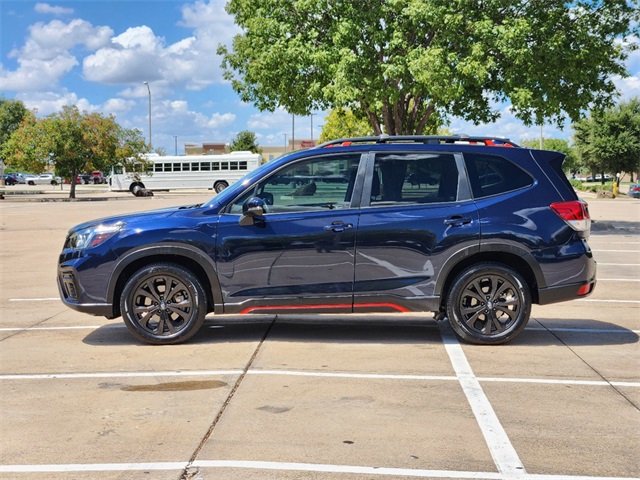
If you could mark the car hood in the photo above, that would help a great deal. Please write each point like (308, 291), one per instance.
(129, 219)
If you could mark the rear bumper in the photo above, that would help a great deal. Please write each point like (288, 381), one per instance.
(566, 292)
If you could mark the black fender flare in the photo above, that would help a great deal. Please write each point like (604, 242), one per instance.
(493, 247)
(175, 249)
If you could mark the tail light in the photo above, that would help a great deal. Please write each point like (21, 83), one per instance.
(575, 213)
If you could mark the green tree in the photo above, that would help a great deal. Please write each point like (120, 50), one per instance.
(245, 141)
(343, 123)
(571, 162)
(73, 142)
(400, 62)
(12, 114)
(608, 141)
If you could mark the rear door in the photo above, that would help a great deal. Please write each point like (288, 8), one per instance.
(418, 213)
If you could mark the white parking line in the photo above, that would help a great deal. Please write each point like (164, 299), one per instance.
(606, 301)
(293, 373)
(614, 251)
(49, 299)
(504, 454)
(288, 467)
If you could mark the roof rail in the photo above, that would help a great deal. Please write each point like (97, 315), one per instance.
(425, 139)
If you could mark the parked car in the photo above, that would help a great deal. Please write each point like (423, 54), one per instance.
(98, 177)
(499, 230)
(44, 179)
(84, 179)
(598, 178)
(10, 179)
(634, 190)
(29, 177)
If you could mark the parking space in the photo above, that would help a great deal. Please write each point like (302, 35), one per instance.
(314, 396)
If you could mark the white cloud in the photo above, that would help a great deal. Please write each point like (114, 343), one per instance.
(47, 103)
(45, 57)
(47, 9)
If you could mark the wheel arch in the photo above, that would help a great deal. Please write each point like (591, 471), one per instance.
(512, 256)
(185, 256)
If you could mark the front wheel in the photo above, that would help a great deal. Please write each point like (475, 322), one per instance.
(163, 304)
(488, 303)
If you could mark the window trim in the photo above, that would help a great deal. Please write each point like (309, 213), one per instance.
(356, 195)
(463, 192)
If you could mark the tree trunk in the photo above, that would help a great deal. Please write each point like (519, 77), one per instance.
(72, 190)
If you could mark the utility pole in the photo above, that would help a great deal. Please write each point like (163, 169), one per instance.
(149, 89)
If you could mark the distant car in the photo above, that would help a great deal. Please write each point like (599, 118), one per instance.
(634, 190)
(598, 178)
(29, 177)
(10, 179)
(98, 177)
(84, 178)
(19, 177)
(44, 179)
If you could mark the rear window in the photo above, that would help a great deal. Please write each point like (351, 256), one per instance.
(492, 175)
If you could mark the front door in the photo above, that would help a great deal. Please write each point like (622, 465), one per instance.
(300, 255)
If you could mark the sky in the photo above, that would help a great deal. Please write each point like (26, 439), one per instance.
(98, 54)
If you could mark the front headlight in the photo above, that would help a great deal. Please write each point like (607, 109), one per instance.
(92, 236)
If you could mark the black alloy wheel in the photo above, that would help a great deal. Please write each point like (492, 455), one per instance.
(163, 304)
(488, 303)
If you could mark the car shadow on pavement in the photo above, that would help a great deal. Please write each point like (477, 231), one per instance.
(618, 227)
(351, 329)
(324, 329)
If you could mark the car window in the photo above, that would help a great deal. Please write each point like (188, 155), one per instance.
(414, 178)
(492, 175)
(313, 184)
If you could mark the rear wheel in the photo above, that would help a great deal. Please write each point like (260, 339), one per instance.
(488, 303)
(136, 188)
(163, 304)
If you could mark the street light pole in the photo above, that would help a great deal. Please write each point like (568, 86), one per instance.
(311, 115)
(285, 142)
(175, 137)
(149, 89)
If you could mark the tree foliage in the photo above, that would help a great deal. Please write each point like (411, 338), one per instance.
(400, 62)
(12, 114)
(571, 161)
(73, 142)
(245, 141)
(608, 141)
(343, 123)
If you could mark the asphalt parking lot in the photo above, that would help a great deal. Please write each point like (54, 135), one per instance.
(313, 397)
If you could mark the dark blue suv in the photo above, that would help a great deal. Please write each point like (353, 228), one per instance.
(472, 229)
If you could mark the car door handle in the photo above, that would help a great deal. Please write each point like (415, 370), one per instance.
(338, 227)
(457, 221)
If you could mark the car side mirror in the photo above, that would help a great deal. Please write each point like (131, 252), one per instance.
(252, 212)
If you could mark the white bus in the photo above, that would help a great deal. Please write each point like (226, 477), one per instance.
(215, 172)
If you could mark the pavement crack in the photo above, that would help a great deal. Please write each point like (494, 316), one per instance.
(188, 472)
(595, 370)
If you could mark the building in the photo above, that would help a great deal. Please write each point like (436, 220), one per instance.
(269, 152)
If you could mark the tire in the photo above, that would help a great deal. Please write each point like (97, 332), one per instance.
(54, 183)
(220, 186)
(154, 318)
(136, 188)
(31, 182)
(488, 304)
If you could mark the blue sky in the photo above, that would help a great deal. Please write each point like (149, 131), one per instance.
(97, 54)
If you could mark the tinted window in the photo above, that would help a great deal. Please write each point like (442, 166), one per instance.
(491, 175)
(414, 178)
(314, 184)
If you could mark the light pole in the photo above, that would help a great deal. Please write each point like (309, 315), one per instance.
(175, 137)
(311, 115)
(293, 132)
(285, 142)
(149, 89)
